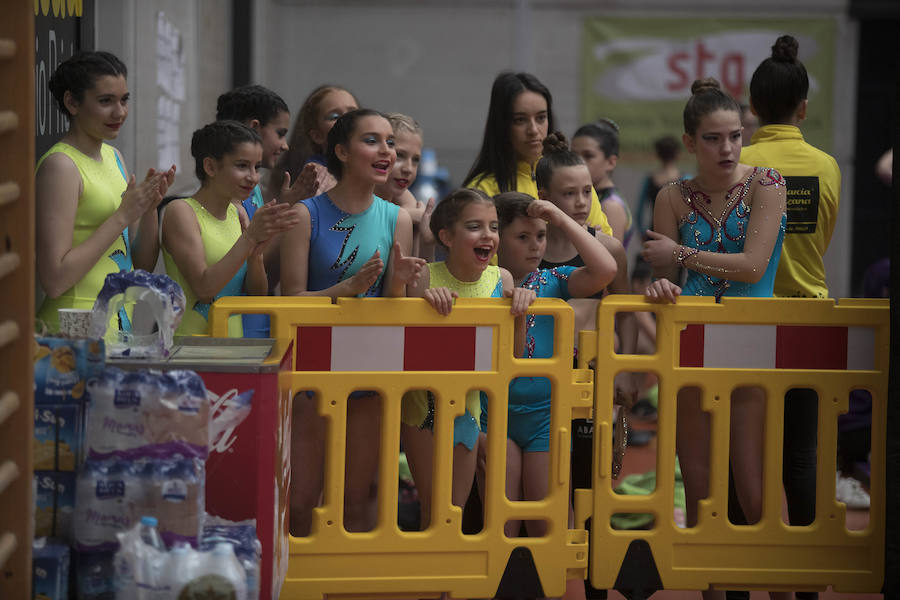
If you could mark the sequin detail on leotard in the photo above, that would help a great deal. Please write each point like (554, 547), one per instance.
(726, 233)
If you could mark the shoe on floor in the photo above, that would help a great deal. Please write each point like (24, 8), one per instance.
(849, 491)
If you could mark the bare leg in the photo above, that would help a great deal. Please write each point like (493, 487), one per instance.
(307, 463)
(535, 484)
(692, 444)
(463, 473)
(514, 475)
(363, 437)
(748, 414)
(419, 447)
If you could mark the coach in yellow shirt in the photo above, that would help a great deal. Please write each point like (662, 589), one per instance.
(778, 97)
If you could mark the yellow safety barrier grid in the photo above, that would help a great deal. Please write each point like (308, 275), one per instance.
(396, 345)
(777, 344)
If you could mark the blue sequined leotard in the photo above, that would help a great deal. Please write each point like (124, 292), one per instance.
(725, 234)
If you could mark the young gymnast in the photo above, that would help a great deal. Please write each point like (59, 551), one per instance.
(519, 116)
(264, 111)
(305, 161)
(205, 248)
(348, 242)
(598, 144)
(91, 217)
(408, 144)
(523, 240)
(564, 179)
(725, 226)
(465, 223)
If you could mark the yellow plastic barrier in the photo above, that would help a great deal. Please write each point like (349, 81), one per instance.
(385, 345)
(776, 344)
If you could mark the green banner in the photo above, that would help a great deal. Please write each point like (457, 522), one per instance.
(638, 71)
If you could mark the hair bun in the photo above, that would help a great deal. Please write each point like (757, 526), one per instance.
(707, 84)
(785, 49)
(555, 142)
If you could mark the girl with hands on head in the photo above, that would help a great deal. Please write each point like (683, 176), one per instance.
(465, 223)
(206, 249)
(524, 223)
(92, 217)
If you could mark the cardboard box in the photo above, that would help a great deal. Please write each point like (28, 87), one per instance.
(58, 437)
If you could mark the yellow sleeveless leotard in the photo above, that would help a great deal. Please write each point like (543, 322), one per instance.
(414, 406)
(103, 183)
(218, 237)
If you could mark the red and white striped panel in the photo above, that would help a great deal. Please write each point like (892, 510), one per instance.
(387, 348)
(778, 347)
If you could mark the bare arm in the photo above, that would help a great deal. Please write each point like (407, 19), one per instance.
(257, 282)
(144, 232)
(182, 240)
(295, 264)
(412, 206)
(617, 218)
(58, 187)
(402, 269)
(767, 203)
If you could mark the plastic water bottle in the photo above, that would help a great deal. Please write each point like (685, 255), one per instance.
(222, 561)
(149, 580)
(150, 535)
(181, 567)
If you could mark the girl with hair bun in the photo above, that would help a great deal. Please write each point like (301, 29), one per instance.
(598, 144)
(725, 226)
(92, 218)
(519, 116)
(206, 249)
(778, 96)
(565, 180)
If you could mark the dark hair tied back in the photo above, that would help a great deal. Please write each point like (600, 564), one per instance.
(556, 154)
(250, 102)
(218, 139)
(603, 131)
(785, 49)
(448, 210)
(707, 84)
(555, 143)
(706, 97)
(78, 73)
(510, 206)
(779, 84)
(341, 133)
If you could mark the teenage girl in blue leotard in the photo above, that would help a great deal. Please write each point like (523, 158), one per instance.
(725, 226)
(339, 249)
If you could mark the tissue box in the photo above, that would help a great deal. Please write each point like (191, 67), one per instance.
(58, 437)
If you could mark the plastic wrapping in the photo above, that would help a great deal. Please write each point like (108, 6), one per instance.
(162, 296)
(113, 494)
(147, 414)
